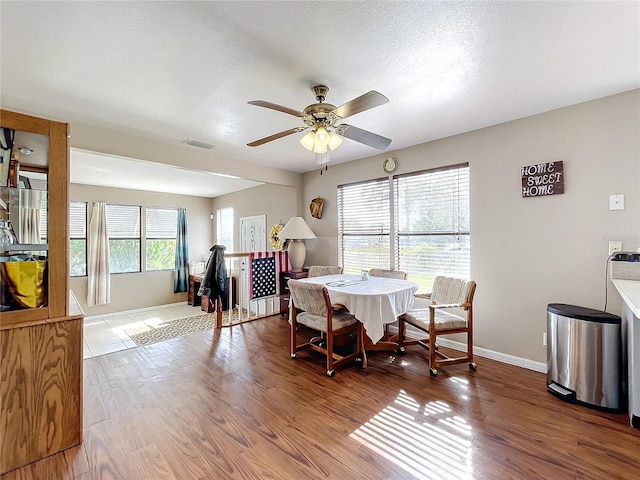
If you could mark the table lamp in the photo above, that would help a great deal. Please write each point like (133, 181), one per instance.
(297, 231)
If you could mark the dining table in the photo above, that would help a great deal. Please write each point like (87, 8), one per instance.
(374, 301)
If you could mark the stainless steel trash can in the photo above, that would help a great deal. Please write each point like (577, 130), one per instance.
(584, 355)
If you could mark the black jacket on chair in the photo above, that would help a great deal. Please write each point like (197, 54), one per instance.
(214, 283)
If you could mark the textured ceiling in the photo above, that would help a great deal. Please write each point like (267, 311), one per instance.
(172, 70)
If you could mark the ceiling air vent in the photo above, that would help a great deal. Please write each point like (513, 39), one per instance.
(198, 143)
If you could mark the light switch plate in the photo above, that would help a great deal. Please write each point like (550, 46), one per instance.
(616, 202)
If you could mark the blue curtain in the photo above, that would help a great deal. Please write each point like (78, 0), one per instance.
(181, 270)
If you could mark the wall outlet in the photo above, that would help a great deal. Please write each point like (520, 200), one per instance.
(614, 247)
(616, 202)
(544, 339)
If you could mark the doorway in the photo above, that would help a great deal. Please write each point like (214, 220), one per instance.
(253, 238)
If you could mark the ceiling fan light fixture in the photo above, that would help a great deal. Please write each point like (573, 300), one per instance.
(335, 140)
(320, 148)
(321, 118)
(309, 140)
(322, 136)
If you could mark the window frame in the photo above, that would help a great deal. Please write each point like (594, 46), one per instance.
(72, 237)
(147, 238)
(220, 240)
(461, 202)
(116, 239)
(365, 229)
(398, 232)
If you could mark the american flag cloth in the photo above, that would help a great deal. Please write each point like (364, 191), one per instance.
(264, 272)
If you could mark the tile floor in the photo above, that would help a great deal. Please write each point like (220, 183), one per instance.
(106, 333)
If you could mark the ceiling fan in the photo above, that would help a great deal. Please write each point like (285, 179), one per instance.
(322, 118)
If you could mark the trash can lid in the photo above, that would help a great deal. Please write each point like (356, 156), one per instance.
(582, 313)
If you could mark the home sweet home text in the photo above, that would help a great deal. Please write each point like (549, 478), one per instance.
(542, 179)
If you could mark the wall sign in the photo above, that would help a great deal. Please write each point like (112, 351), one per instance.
(542, 179)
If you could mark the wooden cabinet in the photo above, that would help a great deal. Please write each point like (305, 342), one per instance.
(42, 347)
(206, 305)
(194, 285)
(284, 288)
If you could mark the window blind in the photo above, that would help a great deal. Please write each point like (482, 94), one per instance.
(161, 222)
(123, 221)
(364, 225)
(78, 220)
(77, 239)
(123, 227)
(432, 224)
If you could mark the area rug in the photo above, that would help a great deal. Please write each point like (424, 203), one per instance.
(148, 334)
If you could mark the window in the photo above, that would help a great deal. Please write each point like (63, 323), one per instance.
(78, 239)
(123, 228)
(364, 226)
(432, 224)
(224, 228)
(161, 227)
(427, 234)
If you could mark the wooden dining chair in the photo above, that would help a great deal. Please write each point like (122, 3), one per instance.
(447, 293)
(320, 270)
(378, 272)
(311, 307)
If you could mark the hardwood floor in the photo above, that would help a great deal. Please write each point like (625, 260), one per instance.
(232, 404)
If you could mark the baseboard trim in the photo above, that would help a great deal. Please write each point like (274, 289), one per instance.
(137, 310)
(490, 354)
(498, 356)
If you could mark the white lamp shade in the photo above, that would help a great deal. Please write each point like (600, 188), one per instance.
(296, 229)
(334, 140)
(322, 136)
(309, 140)
(320, 148)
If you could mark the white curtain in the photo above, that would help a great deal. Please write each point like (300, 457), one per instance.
(29, 222)
(99, 281)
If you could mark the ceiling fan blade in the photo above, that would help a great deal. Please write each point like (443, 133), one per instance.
(275, 106)
(363, 136)
(363, 102)
(276, 136)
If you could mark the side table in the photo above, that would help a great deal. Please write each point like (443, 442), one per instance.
(284, 288)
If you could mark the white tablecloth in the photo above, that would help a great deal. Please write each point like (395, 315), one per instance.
(374, 302)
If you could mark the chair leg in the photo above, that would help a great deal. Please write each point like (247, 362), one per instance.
(472, 364)
(433, 369)
(330, 370)
(401, 335)
(294, 329)
(361, 333)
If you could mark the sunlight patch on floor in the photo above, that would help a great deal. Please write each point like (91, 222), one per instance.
(463, 383)
(428, 441)
(139, 326)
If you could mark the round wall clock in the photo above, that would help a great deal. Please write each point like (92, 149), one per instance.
(390, 165)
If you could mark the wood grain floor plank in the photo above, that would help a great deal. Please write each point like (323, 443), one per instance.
(232, 404)
(151, 463)
(180, 452)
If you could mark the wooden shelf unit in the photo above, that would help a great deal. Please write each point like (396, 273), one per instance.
(42, 348)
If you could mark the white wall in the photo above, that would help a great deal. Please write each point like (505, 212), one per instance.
(525, 252)
(111, 142)
(138, 290)
(277, 202)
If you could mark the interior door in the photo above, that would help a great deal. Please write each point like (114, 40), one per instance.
(253, 233)
(253, 238)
